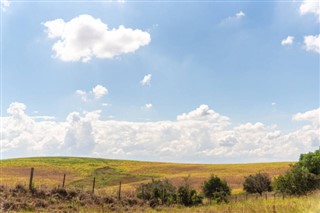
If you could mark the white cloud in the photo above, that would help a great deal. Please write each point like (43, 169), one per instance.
(105, 104)
(96, 93)
(148, 106)
(146, 80)
(82, 94)
(273, 104)
(99, 91)
(199, 136)
(312, 43)
(4, 5)
(240, 14)
(287, 41)
(84, 37)
(311, 116)
(310, 6)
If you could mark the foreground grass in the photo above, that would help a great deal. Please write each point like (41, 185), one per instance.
(19, 199)
(80, 172)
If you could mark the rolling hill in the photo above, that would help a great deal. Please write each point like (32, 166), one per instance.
(49, 171)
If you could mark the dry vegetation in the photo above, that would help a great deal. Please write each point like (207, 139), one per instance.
(80, 172)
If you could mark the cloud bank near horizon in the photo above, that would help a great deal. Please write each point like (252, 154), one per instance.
(201, 135)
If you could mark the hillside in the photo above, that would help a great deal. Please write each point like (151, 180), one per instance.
(80, 172)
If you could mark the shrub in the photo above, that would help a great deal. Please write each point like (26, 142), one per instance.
(216, 189)
(297, 181)
(257, 183)
(187, 196)
(157, 191)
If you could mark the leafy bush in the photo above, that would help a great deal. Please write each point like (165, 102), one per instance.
(187, 196)
(297, 181)
(157, 191)
(311, 161)
(257, 183)
(216, 189)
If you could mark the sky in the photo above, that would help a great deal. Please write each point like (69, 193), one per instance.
(171, 81)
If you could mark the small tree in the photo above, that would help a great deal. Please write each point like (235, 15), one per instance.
(157, 191)
(297, 181)
(257, 183)
(311, 161)
(186, 195)
(216, 189)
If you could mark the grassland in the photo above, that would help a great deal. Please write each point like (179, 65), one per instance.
(80, 172)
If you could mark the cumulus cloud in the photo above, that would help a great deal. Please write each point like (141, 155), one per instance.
(203, 112)
(146, 80)
(148, 106)
(287, 41)
(84, 37)
(312, 43)
(4, 5)
(310, 6)
(240, 14)
(312, 116)
(96, 93)
(99, 91)
(198, 136)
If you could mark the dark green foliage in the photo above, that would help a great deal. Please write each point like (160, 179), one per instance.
(311, 161)
(257, 183)
(187, 196)
(157, 191)
(297, 181)
(216, 189)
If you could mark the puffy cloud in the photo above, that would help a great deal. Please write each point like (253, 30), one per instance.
(84, 37)
(97, 92)
(312, 43)
(4, 5)
(287, 41)
(311, 116)
(146, 80)
(240, 14)
(194, 137)
(148, 106)
(203, 112)
(82, 94)
(310, 6)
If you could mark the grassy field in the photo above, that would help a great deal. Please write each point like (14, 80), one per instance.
(80, 172)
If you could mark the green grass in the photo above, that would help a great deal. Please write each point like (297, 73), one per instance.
(80, 172)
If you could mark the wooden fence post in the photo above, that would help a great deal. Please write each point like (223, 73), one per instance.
(64, 180)
(119, 195)
(142, 191)
(31, 178)
(94, 184)
(266, 195)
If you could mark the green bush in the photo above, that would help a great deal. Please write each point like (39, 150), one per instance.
(187, 196)
(216, 189)
(157, 191)
(257, 183)
(297, 181)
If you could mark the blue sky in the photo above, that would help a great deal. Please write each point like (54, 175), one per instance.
(252, 62)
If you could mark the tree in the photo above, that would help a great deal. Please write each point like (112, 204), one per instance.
(297, 181)
(186, 195)
(311, 161)
(158, 192)
(216, 189)
(257, 183)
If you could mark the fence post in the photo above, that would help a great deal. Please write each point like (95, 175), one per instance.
(142, 191)
(94, 184)
(266, 195)
(64, 179)
(236, 198)
(31, 178)
(119, 195)
(282, 196)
